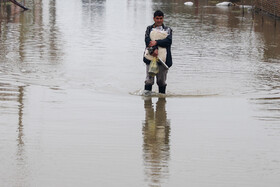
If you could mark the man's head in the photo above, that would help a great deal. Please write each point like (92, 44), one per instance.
(158, 18)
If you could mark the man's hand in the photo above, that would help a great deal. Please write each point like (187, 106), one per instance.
(155, 54)
(152, 43)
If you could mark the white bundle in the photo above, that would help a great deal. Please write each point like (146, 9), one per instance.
(157, 34)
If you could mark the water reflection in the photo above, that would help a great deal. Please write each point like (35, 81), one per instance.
(267, 102)
(268, 28)
(21, 177)
(31, 47)
(12, 103)
(94, 10)
(20, 115)
(9, 11)
(156, 148)
(269, 108)
(93, 22)
(54, 48)
(30, 50)
(31, 35)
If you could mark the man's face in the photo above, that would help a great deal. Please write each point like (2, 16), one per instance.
(158, 20)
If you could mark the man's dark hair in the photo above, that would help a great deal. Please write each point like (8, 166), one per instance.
(158, 13)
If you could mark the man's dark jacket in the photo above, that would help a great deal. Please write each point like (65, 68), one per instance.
(166, 43)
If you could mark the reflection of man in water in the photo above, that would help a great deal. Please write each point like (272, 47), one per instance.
(156, 130)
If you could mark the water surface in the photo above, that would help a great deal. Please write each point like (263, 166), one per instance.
(71, 114)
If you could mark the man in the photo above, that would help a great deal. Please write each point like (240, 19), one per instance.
(165, 43)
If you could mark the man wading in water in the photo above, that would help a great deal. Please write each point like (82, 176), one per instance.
(155, 49)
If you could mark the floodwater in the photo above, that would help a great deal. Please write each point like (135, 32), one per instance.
(72, 114)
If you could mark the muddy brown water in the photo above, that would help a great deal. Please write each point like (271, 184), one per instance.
(72, 114)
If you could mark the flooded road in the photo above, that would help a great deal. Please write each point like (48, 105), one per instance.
(71, 113)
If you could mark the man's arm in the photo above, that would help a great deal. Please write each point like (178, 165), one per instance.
(147, 36)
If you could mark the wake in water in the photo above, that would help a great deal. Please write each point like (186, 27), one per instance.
(146, 93)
